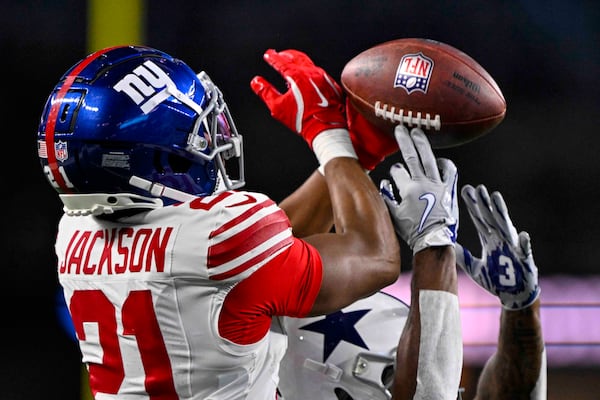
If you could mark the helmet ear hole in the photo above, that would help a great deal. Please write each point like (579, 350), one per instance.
(65, 113)
(179, 164)
(341, 394)
(387, 376)
(166, 163)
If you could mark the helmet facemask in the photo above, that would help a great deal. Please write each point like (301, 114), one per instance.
(214, 137)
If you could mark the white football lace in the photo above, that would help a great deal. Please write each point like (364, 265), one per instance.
(408, 117)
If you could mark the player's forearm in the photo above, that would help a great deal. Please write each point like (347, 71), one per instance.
(363, 255)
(434, 268)
(309, 207)
(521, 334)
(359, 211)
(518, 364)
(430, 348)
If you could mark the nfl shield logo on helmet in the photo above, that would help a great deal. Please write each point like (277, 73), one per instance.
(60, 150)
(414, 73)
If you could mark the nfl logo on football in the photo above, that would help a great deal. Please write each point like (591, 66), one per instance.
(414, 72)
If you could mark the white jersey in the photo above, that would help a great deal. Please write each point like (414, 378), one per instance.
(176, 302)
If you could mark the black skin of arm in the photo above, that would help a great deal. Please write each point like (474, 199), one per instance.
(513, 370)
(433, 269)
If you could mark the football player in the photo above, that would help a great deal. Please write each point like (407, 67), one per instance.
(348, 356)
(429, 354)
(506, 269)
(170, 271)
(428, 357)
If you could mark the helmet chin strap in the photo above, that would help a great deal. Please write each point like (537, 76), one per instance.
(102, 203)
(222, 184)
(158, 190)
(82, 204)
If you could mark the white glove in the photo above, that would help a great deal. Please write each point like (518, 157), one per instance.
(427, 214)
(506, 268)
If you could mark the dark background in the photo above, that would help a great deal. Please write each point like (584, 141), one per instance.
(544, 157)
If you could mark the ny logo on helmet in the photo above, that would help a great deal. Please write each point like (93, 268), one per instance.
(146, 86)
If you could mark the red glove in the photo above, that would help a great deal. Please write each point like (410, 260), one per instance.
(371, 144)
(313, 102)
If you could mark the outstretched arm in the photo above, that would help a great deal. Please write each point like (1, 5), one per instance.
(429, 354)
(309, 208)
(507, 270)
(363, 255)
(518, 368)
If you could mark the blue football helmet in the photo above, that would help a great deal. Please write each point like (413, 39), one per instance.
(133, 127)
(346, 355)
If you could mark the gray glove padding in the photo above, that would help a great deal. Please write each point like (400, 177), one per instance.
(427, 213)
(506, 268)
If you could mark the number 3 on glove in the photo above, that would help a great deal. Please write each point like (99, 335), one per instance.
(506, 268)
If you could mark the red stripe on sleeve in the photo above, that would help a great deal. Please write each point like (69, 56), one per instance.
(254, 260)
(240, 218)
(246, 240)
(287, 285)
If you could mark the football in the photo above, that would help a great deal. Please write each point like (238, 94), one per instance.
(424, 83)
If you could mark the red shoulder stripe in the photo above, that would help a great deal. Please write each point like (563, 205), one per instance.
(248, 239)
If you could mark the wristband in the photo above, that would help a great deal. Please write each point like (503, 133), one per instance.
(332, 143)
(438, 237)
